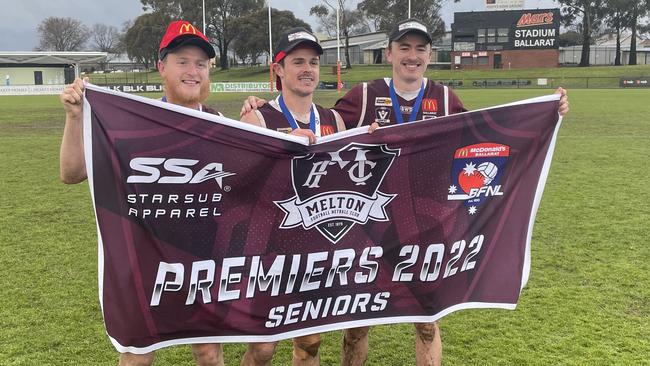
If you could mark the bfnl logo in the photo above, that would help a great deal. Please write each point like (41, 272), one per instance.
(476, 172)
(336, 190)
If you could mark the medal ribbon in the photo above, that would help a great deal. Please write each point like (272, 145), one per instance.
(396, 106)
(292, 121)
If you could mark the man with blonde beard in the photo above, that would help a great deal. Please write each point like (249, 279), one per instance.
(184, 65)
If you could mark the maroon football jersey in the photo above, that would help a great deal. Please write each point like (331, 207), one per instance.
(271, 117)
(206, 109)
(202, 108)
(370, 102)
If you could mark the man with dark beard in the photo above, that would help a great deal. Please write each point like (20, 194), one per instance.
(184, 65)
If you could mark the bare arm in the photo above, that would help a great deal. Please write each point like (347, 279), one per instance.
(252, 118)
(72, 163)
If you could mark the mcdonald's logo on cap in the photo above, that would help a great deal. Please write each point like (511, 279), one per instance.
(462, 153)
(429, 105)
(182, 33)
(186, 28)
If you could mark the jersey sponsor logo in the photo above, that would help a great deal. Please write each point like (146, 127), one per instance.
(476, 173)
(383, 101)
(336, 190)
(174, 171)
(326, 130)
(405, 109)
(429, 105)
(382, 115)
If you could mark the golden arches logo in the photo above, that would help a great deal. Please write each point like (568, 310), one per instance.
(463, 153)
(429, 105)
(187, 28)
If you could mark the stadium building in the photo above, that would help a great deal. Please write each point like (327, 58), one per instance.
(365, 49)
(41, 72)
(506, 39)
(44, 68)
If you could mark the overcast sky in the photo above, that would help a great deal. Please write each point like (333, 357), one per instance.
(19, 21)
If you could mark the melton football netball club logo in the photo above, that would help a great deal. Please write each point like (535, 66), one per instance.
(336, 190)
(476, 174)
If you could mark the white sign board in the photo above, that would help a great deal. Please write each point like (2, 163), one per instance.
(504, 4)
(244, 87)
(464, 46)
(31, 89)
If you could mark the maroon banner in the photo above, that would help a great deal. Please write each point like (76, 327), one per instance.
(211, 230)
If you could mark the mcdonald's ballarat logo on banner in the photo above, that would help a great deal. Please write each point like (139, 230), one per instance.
(322, 201)
(476, 172)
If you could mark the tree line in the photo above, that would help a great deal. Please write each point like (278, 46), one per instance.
(237, 26)
(590, 18)
(241, 26)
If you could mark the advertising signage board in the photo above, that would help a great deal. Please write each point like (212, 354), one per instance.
(503, 4)
(508, 30)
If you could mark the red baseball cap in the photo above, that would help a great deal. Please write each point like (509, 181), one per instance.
(181, 33)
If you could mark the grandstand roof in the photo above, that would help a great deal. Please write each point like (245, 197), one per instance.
(47, 57)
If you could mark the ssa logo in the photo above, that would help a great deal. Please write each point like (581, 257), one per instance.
(336, 190)
(174, 171)
(476, 172)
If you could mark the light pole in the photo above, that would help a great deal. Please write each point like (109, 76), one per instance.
(203, 9)
(270, 51)
(338, 52)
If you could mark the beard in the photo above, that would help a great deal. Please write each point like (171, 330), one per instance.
(184, 98)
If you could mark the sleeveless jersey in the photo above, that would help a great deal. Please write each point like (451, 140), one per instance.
(271, 117)
(207, 109)
(370, 102)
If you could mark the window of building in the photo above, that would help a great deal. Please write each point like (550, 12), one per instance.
(480, 36)
(483, 60)
(502, 35)
(491, 35)
(465, 60)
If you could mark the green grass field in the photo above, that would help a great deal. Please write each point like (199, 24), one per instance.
(587, 301)
(571, 77)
